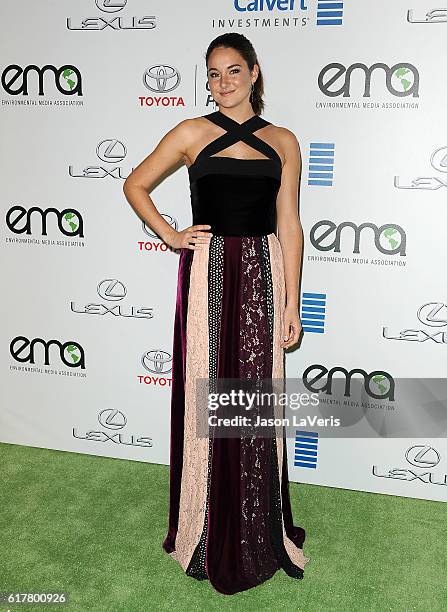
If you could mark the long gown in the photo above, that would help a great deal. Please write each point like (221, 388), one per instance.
(230, 518)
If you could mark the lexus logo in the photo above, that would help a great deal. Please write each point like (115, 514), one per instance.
(112, 290)
(111, 150)
(423, 456)
(112, 419)
(111, 20)
(438, 159)
(110, 6)
(161, 78)
(433, 314)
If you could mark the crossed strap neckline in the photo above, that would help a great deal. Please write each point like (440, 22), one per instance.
(236, 132)
(229, 120)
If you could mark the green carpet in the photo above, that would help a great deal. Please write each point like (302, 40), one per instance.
(94, 526)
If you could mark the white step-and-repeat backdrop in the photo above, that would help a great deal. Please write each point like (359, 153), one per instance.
(87, 91)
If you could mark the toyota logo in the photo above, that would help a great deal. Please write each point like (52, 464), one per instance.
(157, 361)
(161, 78)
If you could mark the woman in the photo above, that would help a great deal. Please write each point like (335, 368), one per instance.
(230, 518)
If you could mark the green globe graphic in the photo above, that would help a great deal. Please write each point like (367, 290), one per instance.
(381, 383)
(67, 76)
(72, 353)
(390, 237)
(72, 221)
(404, 77)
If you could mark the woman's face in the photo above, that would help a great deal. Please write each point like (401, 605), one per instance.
(229, 78)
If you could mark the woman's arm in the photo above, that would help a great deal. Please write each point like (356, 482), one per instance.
(170, 151)
(290, 232)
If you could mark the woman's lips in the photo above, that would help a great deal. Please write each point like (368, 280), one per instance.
(226, 93)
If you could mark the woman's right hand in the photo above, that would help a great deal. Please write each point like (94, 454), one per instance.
(193, 237)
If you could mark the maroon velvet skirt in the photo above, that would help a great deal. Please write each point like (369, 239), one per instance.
(230, 518)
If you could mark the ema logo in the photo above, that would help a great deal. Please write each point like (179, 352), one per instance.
(306, 448)
(330, 12)
(69, 221)
(389, 238)
(321, 163)
(313, 312)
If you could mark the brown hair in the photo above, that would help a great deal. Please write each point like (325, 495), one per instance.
(242, 45)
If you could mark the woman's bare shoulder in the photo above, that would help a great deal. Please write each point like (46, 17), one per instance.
(284, 135)
(285, 142)
(190, 131)
(193, 134)
(191, 126)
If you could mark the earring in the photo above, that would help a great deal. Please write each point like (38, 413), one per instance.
(252, 90)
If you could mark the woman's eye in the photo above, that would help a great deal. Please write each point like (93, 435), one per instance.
(214, 74)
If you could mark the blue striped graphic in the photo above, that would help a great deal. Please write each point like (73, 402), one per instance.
(313, 312)
(330, 12)
(321, 163)
(306, 449)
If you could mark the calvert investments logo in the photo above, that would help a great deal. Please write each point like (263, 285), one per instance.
(272, 14)
(422, 457)
(112, 291)
(112, 423)
(328, 12)
(111, 152)
(269, 6)
(158, 363)
(438, 161)
(111, 19)
(306, 449)
(433, 315)
(321, 164)
(18, 80)
(313, 312)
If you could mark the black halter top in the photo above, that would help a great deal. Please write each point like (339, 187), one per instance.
(237, 197)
